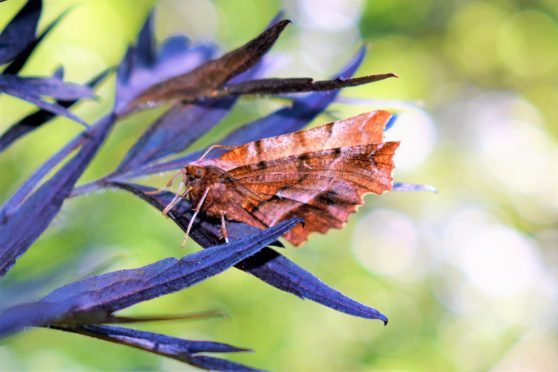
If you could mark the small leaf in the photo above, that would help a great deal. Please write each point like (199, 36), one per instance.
(176, 348)
(20, 229)
(45, 87)
(406, 187)
(267, 265)
(209, 76)
(17, 64)
(38, 118)
(20, 32)
(32, 89)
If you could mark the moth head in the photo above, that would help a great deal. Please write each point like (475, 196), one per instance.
(193, 173)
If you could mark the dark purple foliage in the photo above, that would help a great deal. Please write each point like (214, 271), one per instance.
(177, 129)
(267, 265)
(20, 32)
(201, 91)
(17, 42)
(143, 67)
(191, 352)
(17, 64)
(21, 228)
(34, 89)
(40, 117)
(93, 300)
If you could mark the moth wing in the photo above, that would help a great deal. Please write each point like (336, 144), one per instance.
(362, 129)
(323, 187)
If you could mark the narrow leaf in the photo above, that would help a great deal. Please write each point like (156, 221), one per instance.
(32, 89)
(175, 131)
(19, 230)
(142, 68)
(20, 32)
(45, 87)
(293, 85)
(267, 265)
(17, 64)
(405, 187)
(204, 79)
(176, 348)
(38, 118)
(114, 291)
(94, 299)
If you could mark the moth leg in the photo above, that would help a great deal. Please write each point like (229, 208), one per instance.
(174, 200)
(196, 211)
(213, 147)
(224, 231)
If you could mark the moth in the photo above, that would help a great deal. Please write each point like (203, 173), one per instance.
(320, 174)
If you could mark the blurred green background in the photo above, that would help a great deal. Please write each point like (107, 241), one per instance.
(467, 276)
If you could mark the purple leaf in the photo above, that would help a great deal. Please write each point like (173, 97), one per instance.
(142, 68)
(49, 87)
(20, 32)
(12, 205)
(20, 229)
(176, 348)
(178, 128)
(114, 291)
(17, 64)
(32, 89)
(210, 75)
(405, 187)
(175, 131)
(285, 120)
(38, 118)
(267, 265)
(94, 299)
(38, 313)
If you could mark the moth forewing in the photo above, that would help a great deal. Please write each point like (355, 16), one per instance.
(319, 174)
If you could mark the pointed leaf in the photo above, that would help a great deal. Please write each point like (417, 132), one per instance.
(19, 230)
(176, 348)
(142, 68)
(406, 187)
(267, 265)
(38, 118)
(201, 81)
(45, 87)
(20, 32)
(294, 85)
(285, 120)
(31, 90)
(117, 290)
(17, 64)
(94, 299)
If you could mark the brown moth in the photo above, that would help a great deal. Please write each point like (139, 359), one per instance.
(319, 174)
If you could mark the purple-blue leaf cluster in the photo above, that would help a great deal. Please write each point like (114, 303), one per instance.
(200, 91)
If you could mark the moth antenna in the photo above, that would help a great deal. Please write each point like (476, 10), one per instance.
(213, 147)
(196, 211)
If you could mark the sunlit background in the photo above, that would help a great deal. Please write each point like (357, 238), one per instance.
(467, 276)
